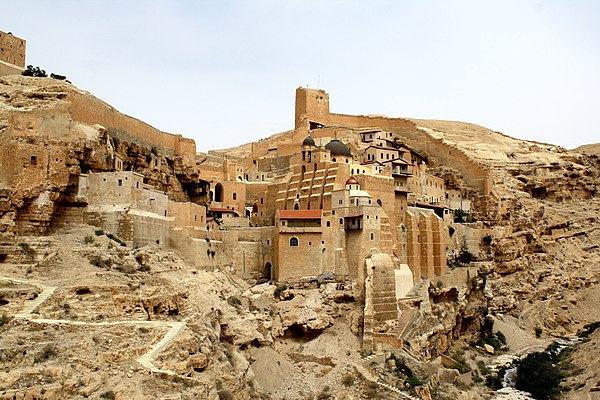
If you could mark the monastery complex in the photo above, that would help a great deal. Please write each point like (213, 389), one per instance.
(341, 198)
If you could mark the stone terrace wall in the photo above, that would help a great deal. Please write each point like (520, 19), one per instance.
(91, 111)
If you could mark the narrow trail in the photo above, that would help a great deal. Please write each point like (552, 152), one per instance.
(146, 360)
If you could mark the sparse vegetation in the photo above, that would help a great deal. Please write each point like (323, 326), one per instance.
(348, 380)
(279, 289)
(88, 239)
(108, 395)
(538, 331)
(116, 239)
(234, 301)
(48, 351)
(4, 319)
(99, 232)
(589, 329)
(27, 249)
(541, 373)
(101, 262)
(35, 72)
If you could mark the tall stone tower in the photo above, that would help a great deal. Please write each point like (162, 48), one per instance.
(12, 54)
(312, 106)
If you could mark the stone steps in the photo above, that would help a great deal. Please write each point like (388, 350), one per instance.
(43, 296)
(146, 359)
(364, 372)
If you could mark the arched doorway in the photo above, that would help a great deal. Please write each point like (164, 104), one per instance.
(218, 192)
(267, 272)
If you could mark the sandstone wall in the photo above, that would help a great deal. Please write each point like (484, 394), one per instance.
(90, 110)
(12, 49)
(9, 69)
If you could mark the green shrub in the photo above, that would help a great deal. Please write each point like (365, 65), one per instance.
(279, 289)
(234, 301)
(589, 329)
(413, 381)
(108, 395)
(540, 373)
(27, 249)
(48, 351)
(348, 379)
(36, 72)
(4, 319)
(88, 239)
(538, 331)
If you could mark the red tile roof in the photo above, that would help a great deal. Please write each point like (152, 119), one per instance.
(218, 209)
(300, 214)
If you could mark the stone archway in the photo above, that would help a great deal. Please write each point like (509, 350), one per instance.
(268, 271)
(219, 192)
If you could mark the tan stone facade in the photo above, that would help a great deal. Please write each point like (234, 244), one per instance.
(12, 54)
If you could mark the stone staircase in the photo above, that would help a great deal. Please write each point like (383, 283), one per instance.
(146, 359)
(364, 372)
(25, 313)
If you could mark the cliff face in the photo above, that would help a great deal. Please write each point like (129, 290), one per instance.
(51, 131)
(544, 215)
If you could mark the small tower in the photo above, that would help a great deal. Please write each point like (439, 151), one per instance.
(312, 105)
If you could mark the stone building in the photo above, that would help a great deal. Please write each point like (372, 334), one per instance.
(12, 54)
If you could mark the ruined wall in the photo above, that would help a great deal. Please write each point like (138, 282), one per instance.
(12, 49)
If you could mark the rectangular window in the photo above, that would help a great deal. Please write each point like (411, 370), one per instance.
(33, 160)
(120, 182)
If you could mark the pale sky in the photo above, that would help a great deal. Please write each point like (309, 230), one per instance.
(225, 72)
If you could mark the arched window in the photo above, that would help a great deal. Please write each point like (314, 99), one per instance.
(372, 236)
(341, 221)
(293, 242)
(234, 195)
(379, 202)
(296, 206)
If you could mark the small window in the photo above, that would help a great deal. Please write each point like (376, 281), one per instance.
(341, 221)
(261, 200)
(310, 243)
(268, 242)
(328, 224)
(282, 223)
(33, 160)
(372, 236)
(155, 162)
(120, 182)
(137, 185)
(293, 242)
(195, 217)
(234, 196)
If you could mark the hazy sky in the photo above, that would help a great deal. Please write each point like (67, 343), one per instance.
(224, 72)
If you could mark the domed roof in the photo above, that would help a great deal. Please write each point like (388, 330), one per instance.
(338, 148)
(309, 141)
(352, 181)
